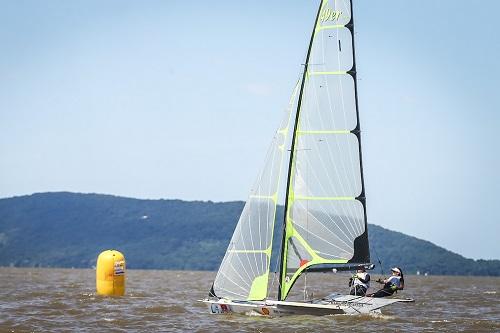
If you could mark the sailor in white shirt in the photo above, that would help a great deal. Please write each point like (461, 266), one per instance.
(392, 284)
(359, 282)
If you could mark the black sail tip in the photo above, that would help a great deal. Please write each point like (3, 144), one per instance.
(211, 293)
(361, 249)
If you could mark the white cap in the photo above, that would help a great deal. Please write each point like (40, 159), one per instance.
(395, 269)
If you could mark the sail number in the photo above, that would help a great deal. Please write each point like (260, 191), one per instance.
(219, 308)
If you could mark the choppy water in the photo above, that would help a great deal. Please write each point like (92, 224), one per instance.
(47, 300)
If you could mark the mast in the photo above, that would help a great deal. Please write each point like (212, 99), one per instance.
(292, 148)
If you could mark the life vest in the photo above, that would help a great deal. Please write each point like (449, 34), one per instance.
(358, 282)
(394, 282)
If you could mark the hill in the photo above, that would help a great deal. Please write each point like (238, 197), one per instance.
(70, 230)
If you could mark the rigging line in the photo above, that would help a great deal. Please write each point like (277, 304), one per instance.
(378, 258)
(294, 248)
(379, 261)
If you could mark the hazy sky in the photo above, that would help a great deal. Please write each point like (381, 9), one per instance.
(180, 99)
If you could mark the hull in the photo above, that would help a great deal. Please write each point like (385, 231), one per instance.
(331, 305)
(223, 306)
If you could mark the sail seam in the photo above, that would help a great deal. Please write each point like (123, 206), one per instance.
(327, 73)
(299, 197)
(324, 132)
(335, 26)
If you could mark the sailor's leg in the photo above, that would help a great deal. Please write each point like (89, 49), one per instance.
(382, 293)
(361, 291)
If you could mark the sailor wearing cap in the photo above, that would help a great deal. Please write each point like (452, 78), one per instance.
(392, 284)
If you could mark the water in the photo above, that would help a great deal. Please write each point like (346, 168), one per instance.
(45, 300)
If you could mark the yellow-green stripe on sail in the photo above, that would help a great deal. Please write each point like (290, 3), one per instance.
(316, 260)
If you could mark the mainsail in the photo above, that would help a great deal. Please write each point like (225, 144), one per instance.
(325, 216)
(244, 271)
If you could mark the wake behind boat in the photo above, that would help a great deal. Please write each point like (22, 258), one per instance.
(315, 160)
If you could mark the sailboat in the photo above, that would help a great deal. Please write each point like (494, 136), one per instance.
(314, 168)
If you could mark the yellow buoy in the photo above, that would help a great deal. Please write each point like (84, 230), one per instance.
(110, 273)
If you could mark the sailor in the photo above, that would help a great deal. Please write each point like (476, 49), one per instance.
(392, 284)
(359, 282)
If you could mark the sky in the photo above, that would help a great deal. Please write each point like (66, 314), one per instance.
(180, 100)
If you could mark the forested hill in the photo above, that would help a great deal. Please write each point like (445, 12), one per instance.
(70, 230)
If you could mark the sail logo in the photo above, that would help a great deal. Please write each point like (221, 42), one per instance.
(328, 14)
